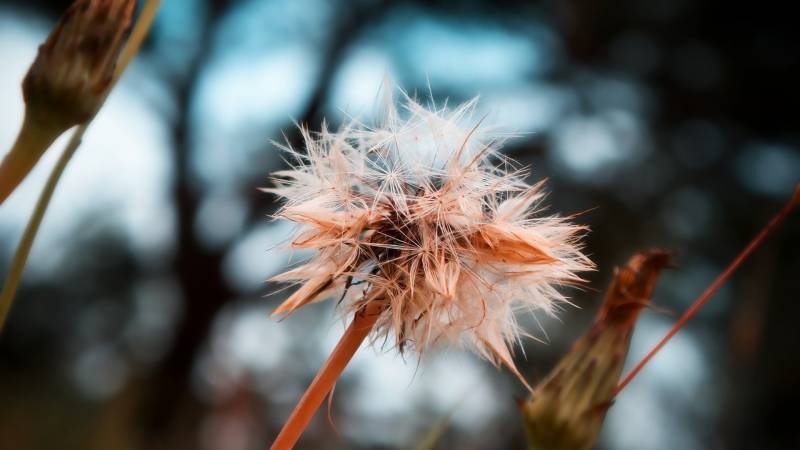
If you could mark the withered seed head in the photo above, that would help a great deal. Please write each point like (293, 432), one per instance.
(423, 214)
(74, 68)
(566, 410)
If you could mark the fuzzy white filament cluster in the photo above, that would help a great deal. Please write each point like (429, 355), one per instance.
(424, 215)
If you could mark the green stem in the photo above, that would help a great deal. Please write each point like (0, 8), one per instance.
(32, 141)
(135, 41)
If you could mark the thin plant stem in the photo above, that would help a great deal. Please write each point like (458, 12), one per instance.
(323, 383)
(139, 32)
(713, 287)
(32, 141)
(25, 244)
(135, 40)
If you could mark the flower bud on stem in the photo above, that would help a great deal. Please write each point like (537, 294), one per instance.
(130, 49)
(566, 410)
(68, 81)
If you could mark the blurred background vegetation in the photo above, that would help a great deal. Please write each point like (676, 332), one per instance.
(142, 319)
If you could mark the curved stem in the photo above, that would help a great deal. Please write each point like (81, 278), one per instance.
(326, 378)
(25, 244)
(135, 41)
(712, 289)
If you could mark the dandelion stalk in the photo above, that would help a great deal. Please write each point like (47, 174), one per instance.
(127, 54)
(362, 324)
(713, 287)
(68, 80)
(424, 216)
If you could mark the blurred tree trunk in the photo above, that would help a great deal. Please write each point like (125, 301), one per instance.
(160, 406)
(170, 414)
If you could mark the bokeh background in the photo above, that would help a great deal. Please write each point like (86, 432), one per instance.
(142, 321)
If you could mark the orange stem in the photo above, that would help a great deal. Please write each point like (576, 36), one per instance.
(712, 289)
(326, 377)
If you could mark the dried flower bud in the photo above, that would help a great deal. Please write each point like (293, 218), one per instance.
(73, 70)
(566, 410)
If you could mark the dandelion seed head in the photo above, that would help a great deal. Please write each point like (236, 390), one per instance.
(422, 213)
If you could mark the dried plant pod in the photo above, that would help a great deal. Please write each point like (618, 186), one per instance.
(566, 410)
(73, 70)
(67, 82)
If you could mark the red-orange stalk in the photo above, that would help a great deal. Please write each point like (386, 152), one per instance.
(712, 289)
(326, 377)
